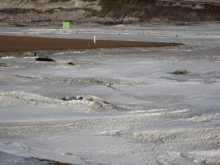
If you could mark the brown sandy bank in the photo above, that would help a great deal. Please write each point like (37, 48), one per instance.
(21, 43)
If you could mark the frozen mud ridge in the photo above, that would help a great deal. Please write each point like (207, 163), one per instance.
(114, 106)
(87, 103)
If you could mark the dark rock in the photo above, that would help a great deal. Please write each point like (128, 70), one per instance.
(182, 71)
(45, 59)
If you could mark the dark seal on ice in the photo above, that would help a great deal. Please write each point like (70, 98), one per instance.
(182, 71)
(45, 59)
(70, 63)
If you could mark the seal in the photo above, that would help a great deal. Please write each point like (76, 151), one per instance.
(5, 65)
(182, 71)
(45, 59)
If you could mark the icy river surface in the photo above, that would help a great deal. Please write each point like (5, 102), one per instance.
(114, 106)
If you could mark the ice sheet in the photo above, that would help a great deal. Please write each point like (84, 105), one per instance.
(139, 112)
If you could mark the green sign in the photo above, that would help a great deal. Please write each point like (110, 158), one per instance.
(66, 25)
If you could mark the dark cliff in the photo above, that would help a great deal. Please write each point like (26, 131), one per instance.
(53, 12)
